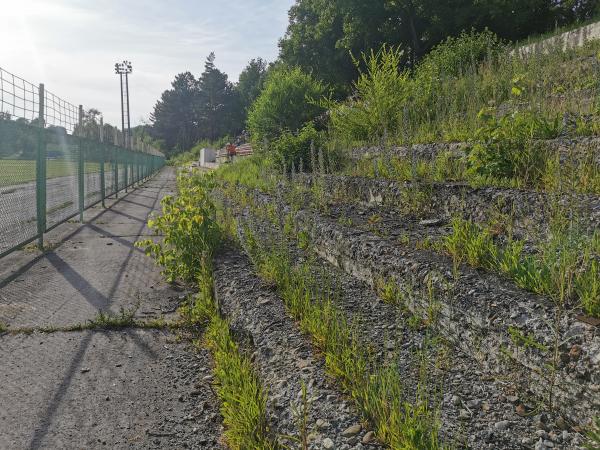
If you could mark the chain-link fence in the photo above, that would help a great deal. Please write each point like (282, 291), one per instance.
(56, 161)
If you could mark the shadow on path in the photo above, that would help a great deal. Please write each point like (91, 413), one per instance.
(17, 273)
(95, 298)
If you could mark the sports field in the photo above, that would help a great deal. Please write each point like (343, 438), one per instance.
(18, 171)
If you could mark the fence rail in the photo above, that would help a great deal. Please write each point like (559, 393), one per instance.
(54, 164)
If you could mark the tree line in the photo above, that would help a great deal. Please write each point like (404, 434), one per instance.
(205, 108)
(324, 41)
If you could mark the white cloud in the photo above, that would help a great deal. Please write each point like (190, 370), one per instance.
(72, 45)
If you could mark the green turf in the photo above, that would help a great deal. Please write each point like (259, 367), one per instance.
(17, 171)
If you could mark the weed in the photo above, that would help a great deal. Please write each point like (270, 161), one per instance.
(378, 393)
(190, 231)
(389, 291)
(564, 267)
(415, 200)
(594, 436)
(289, 227)
(301, 416)
(345, 221)
(380, 88)
(191, 236)
(587, 287)
(525, 341)
(505, 147)
(472, 243)
(403, 239)
(414, 322)
(303, 240)
(243, 401)
(3, 328)
(124, 319)
(374, 219)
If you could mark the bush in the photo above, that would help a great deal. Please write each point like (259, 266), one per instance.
(190, 231)
(294, 148)
(505, 147)
(457, 55)
(375, 110)
(288, 101)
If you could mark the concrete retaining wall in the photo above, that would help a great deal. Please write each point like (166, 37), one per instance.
(569, 39)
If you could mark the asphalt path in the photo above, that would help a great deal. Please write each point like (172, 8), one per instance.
(126, 388)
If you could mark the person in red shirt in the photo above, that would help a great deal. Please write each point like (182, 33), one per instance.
(231, 151)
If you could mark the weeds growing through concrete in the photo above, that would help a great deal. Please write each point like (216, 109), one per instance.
(106, 321)
(190, 231)
(378, 391)
(191, 237)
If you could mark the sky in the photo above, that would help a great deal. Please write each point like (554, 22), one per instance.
(72, 45)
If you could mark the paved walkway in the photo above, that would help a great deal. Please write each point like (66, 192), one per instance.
(130, 388)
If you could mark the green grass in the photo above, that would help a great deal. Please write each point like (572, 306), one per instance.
(191, 237)
(256, 171)
(378, 391)
(565, 267)
(593, 435)
(507, 152)
(104, 321)
(18, 171)
(440, 100)
(243, 399)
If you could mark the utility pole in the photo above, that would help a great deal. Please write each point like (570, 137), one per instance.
(124, 69)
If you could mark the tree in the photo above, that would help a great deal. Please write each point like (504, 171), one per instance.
(287, 102)
(251, 82)
(90, 124)
(218, 108)
(312, 41)
(322, 34)
(174, 119)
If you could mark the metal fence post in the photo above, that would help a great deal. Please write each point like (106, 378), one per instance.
(116, 161)
(102, 162)
(40, 170)
(126, 169)
(80, 166)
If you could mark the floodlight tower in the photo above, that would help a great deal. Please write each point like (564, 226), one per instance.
(124, 68)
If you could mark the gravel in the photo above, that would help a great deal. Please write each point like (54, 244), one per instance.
(475, 407)
(284, 358)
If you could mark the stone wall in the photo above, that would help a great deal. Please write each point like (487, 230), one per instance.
(529, 212)
(477, 310)
(567, 40)
(576, 149)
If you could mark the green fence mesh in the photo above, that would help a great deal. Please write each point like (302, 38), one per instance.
(18, 165)
(48, 176)
(54, 163)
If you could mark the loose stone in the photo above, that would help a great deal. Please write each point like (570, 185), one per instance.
(328, 443)
(351, 431)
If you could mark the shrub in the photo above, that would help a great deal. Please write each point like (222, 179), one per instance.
(505, 149)
(375, 110)
(457, 55)
(190, 232)
(294, 148)
(287, 103)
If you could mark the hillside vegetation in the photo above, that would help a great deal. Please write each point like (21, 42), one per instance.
(430, 242)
